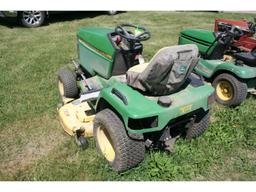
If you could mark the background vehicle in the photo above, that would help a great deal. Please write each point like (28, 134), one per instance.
(231, 71)
(34, 18)
(127, 103)
(246, 40)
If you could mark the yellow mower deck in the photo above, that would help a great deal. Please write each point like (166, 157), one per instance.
(77, 116)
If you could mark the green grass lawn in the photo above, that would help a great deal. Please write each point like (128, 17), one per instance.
(35, 147)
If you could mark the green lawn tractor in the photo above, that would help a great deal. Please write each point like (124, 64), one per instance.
(129, 105)
(231, 72)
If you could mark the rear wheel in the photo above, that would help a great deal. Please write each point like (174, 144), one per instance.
(229, 90)
(67, 84)
(200, 125)
(115, 145)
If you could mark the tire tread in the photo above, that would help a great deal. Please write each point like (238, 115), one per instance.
(240, 90)
(200, 125)
(129, 152)
(69, 82)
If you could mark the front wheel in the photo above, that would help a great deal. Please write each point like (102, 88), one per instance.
(67, 84)
(112, 12)
(121, 151)
(31, 18)
(229, 90)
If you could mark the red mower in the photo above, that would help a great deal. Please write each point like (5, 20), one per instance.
(244, 40)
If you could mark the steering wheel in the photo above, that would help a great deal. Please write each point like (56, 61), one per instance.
(224, 38)
(230, 32)
(252, 27)
(237, 31)
(123, 32)
(224, 27)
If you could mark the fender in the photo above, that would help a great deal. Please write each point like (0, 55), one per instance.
(208, 68)
(126, 100)
(132, 106)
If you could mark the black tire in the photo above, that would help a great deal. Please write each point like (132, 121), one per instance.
(254, 52)
(112, 12)
(200, 125)
(128, 152)
(81, 141)
(238, 87)
(68, 79)
(31, 19)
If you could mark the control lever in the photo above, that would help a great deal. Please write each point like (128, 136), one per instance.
(81, 73)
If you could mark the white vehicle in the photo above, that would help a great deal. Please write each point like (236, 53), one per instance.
(33, 18)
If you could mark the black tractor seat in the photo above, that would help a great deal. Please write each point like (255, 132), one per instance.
(166, 72)
(247, 57)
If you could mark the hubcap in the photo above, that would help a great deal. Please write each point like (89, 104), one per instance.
(32, 17)
(224, 90)
(61, 88)
(105, 144)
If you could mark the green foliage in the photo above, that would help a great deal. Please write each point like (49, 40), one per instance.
(34, 146)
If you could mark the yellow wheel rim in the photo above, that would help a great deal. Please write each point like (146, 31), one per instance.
(224, 90)
(61, 88)
(105, 144)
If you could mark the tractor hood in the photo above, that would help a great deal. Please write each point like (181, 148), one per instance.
(200, 35)
(97, 38)
(96, 51)
(202, 38)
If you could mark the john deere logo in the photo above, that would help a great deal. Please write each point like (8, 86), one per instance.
(186, 108)
(182, 69)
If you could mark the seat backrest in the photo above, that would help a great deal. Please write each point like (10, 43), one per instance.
(167, 70)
